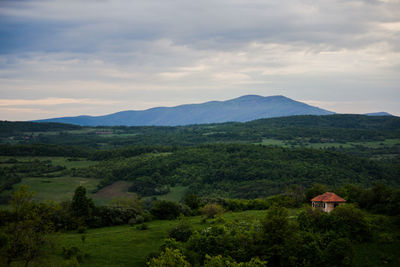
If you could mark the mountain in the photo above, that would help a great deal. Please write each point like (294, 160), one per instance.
(378, 114)
(241, 109)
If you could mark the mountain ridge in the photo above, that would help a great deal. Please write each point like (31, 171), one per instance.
(240, 109)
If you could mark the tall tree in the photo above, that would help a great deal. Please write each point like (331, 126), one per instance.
(81, 205)
(26, 234)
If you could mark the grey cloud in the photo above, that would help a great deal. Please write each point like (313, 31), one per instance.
(140, 53)
(97, 25)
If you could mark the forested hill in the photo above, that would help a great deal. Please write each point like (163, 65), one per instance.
(8, 128)
(242, 171)
(241, 109)
(309, 129)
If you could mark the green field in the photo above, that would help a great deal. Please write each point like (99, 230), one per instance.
(129, 246)
(176, 193)
(57, 189)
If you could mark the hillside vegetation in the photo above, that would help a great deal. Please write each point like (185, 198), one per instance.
(366, 136)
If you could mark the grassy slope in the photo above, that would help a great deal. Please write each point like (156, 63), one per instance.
(176, 193)
(59, 188)
(128, 246)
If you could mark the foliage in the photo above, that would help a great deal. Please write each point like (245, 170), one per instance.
(127, 202)
(192, 201)
(315, 190)
(25, 236)
(379, 198)
(165, 210)
(211, 210)
(182, 231)
(242, 171)
(339, 253)
(81, 206)
(169, 257)
(74, 253)
(219, 261)
(280, 238)
(332, 128)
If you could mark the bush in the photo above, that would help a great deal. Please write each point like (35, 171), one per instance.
(169, 257)
(339, 252)
(182, 231)
(137, 220)
(81, 229)
(143, 226)
(74, 252)
(211, 210)
(165, 210)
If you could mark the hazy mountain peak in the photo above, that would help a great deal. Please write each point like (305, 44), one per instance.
(241, 109)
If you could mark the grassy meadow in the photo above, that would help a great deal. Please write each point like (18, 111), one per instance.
(127, 245)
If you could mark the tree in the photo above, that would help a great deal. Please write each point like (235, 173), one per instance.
(279, 237)
(339, 253)
(219, 261)
(26, 235)
(81, 205)
(131, 202)
(169, 257)
(165, 210)
(182, 231)
(212, 209)
(192, 201)
(349, 221)
(315, 190)
(297, 193)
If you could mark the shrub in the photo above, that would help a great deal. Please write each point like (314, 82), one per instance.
(211, 210)
(143, 226)
(169, 257)
(339, 252)
(165, 210)
(137, 220)
(192, 201)
(81, 229)
(182, 231)
(74, 252)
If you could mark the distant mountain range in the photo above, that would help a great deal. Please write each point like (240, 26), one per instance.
(241, 109)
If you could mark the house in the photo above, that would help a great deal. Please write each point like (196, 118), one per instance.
(327, 201)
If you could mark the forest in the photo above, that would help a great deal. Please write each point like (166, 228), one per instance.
(231, 194)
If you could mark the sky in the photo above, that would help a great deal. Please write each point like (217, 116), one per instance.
(95, 57)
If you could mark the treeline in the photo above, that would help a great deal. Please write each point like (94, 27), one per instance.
(44, 150)
(332, 128)
(241, 171)
(9, 128)
(48, 150)
(314, 238)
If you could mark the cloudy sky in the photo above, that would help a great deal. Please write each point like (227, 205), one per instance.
(64, 58)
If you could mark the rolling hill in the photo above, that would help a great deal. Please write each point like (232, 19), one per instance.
(241, 109)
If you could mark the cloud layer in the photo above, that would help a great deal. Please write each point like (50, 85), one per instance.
(97, 57)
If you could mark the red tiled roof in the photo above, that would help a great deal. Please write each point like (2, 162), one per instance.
(328, 197)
